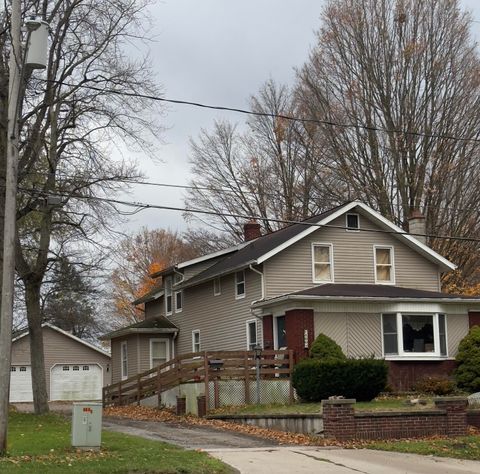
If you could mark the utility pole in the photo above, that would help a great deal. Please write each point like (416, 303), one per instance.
(8, 275)
(34, 56)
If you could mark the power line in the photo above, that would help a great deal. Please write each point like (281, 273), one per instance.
(144, 206)
(268, 114)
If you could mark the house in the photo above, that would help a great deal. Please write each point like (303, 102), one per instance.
(74, 368)
(348, 273)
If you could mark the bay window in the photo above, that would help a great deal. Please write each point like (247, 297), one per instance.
(414, 335)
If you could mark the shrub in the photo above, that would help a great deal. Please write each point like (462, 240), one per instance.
(324, 347)
(362, 379)
(437, 385)
(468, 358)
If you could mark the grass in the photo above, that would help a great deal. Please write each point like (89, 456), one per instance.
(466, 447)
(42, 444)
(381, 404)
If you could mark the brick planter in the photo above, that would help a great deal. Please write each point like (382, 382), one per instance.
(339, 418)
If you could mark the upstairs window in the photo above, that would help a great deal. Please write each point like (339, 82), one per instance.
(217, 287)
(322, 263)
(178, 301)
(168, 295)
(240, 284)
(353, 222)
(384, 269)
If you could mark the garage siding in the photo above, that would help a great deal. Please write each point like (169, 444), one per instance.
(60, 349)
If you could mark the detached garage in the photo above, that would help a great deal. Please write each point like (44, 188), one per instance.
(74, 368)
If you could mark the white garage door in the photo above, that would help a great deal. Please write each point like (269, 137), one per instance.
(76, 382)
(21, 383)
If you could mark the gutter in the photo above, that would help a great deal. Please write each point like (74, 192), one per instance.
(261, 304)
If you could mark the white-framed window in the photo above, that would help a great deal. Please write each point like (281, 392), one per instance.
(124, 359)
(65, 368)
(217, 287)
(76, 368)
(159, 352)
(13, 369)
(352, 222)
(168, 296)
(322, 263)
(240, 284)
(196, 347)
(178, 301)
(414, 335)
(384, 265)
(252, 338)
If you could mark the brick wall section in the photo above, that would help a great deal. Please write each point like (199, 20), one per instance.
(341, 421)
(297, 321)
(402, 375)
(473, 318)
(473, 418)
(267, 323)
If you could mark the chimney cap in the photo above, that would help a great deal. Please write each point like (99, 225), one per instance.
(416, 214)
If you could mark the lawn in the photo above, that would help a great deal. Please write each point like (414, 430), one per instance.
(466, 447)
(381, 404)
(42, 444)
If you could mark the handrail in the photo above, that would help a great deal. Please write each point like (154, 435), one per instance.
(196, 367)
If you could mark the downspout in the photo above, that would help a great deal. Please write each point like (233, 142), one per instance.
(252, 311)
(175, 335)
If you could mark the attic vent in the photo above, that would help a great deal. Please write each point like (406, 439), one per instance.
(353, 222)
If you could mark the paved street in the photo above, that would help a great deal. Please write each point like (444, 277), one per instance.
(307, 460)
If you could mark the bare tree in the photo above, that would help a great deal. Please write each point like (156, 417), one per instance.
(69, 135)
(401, 80)
(268, 171)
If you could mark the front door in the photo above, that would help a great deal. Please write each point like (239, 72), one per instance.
(280, 332)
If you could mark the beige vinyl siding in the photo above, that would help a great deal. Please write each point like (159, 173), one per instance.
(358, 334)
(60, 349)
(291, 269)
(154, 309)
(132, 356)
(220, 319)
(457, 329)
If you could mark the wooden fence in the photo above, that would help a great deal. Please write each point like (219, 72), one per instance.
(200, 367)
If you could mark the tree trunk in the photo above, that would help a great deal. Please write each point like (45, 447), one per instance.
(39, 384)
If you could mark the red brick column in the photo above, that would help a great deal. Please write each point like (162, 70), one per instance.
(456, 408)
(339, 418)
(297, 321)
(267, 322)
(181, 407)
(473, 318)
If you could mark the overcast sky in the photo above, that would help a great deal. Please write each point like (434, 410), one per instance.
(219, 52)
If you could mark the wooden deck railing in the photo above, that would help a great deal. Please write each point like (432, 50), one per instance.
(200, 367)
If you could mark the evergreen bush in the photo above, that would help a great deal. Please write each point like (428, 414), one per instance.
(362, 379)
(467, 374)
(325, 348)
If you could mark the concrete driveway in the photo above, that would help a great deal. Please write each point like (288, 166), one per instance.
(308, 460)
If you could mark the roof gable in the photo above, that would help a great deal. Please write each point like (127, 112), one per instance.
(21, 335)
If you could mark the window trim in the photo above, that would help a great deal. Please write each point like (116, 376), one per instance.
(332, 269)
(241, 295)
(194, 332)
(215, 292)
(247, 326)
(175, 294)
(123, 374)
(352, 229)
(401, 354)
(392, 264)
(168, 294)
(159, 339)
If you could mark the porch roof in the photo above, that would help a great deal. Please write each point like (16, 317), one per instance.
(158, 325)
(354, 292)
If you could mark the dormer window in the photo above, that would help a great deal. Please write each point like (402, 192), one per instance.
(352, 222)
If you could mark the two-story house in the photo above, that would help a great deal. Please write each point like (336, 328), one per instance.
(348, 273)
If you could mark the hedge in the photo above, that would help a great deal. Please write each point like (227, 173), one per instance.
(468, 359)
(324, 347)
(362, 379)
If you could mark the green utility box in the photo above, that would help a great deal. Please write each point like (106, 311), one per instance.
(87, 425)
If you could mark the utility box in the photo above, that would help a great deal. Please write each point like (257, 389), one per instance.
(87, 425)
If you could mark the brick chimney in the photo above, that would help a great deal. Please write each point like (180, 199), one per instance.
(416, 225)
(251, 230)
